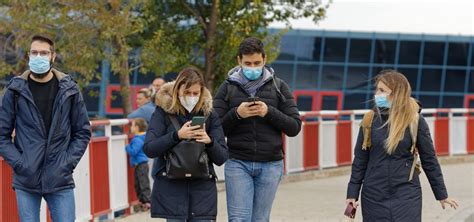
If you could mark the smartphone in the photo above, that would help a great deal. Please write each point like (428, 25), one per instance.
(252, 100)
(198, 121)
(350, 211)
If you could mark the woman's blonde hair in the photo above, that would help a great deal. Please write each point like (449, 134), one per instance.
(403, 110)
(187, 77)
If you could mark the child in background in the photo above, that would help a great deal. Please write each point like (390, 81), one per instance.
(139, 161)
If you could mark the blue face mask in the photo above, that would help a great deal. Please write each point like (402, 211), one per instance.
(39, 64)
(252, 73)
(381, 101)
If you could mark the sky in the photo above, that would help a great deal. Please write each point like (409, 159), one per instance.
(450, 17)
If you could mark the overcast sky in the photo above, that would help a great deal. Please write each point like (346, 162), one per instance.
(453, 17)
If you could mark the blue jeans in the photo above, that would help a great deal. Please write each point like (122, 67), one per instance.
(251, 188)
(61, 205)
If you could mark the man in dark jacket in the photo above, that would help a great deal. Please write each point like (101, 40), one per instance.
(46, 109)
(255, 107)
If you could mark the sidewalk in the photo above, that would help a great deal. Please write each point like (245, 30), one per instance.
(324, 199)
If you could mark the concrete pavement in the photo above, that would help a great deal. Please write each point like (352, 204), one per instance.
(323, 199)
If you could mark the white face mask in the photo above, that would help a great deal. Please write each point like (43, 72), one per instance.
(189, 102)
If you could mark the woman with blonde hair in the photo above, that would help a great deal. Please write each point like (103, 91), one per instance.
(385, 156)
(190, 198)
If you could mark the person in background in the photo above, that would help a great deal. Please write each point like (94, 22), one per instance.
(139, 161)
(145, 106)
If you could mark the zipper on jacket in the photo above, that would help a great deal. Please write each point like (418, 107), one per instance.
(56, 104)
(255, 139)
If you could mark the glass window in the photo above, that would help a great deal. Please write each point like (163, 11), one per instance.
(114, 78)
(453, 101)
(307, 76)
(288, 47)
(457, 54)
(409, 52)
(434, 53)
(431, 80)
(472, 54)
(91, 98)
(309, 48)
(116, 99)
(360, 50)
(357, 78)
(284, 72)
(470, 104)
(304, 103)
(335, 49)
(471, 83)
(145, 79)
(429, 101)
(385, 51)
(455, 80)
(412, 76)
(355, 101)
(332, 77)
(329, 103)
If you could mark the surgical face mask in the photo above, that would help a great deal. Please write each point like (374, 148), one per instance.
(252, 73)
(189, 102)
(381, 101)
(39, 64)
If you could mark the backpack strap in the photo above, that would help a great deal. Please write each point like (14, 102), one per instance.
(230, 91)
(366, 125)
(414, 149)
(175, 122)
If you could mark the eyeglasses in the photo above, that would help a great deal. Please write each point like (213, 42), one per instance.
(39, 52)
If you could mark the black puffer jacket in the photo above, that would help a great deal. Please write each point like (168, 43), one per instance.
(256, 138)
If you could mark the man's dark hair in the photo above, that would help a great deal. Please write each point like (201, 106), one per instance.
(43, 38)
(250, 46)
(141, 124)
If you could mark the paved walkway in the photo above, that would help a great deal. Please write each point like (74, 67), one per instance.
(324, 199)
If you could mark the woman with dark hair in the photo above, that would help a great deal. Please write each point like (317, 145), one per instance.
(184, 199)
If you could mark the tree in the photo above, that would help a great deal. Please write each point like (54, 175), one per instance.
(85, 32)
(71, 32)
(207, 33)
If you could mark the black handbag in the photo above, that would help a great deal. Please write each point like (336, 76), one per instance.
(187, 159)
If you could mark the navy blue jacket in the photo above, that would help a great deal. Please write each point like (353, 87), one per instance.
(42, 161)
(387, 195)
(189, 198)
(135, 150)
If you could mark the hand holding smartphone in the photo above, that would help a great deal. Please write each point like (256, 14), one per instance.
(350, 210)
(198, 121)
(252, 100)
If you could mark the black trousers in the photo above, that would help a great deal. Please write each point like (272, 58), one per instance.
(142, 183)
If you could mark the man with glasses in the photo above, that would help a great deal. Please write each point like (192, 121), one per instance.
(46, 109)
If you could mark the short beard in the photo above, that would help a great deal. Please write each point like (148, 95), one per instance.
(40, 75)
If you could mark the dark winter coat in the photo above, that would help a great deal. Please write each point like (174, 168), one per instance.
(257, 138)
(42, 161)
(182, 199)
(387, 195)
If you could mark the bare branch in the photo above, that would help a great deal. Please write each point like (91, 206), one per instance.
(196, 14)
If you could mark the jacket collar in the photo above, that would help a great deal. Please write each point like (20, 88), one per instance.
(18, 83)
